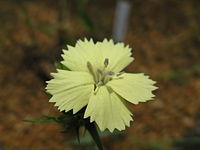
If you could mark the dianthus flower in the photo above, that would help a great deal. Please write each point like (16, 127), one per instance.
(95, 80)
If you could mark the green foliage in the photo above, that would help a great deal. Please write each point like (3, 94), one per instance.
(72, 123)
(48, 119)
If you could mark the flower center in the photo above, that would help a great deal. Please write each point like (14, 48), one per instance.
(101, 76)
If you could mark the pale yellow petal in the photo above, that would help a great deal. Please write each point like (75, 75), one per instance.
(134, 88)
(119, 56)
(75, 98)
(70, 90)
(76, 58)
(107, 110)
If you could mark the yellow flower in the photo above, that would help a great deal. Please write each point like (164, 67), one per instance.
(95, 80)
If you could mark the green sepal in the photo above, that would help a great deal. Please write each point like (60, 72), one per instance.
(59, 65)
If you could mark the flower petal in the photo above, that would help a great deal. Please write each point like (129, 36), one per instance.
(107, 110)
(119, 56)
(76, 58)
(134, 88)
(70, 90)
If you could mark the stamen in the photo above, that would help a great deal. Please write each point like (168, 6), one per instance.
(102, 76)
(106, 62)
(100, 71)
(91, 70)
(107, 79)
(120, 73)
(110, 73)
(96, 90)
(99, 75)
(89, 65)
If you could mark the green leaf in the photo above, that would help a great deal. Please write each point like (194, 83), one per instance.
(45, 119)
(59, 119)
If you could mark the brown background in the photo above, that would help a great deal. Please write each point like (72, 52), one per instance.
(165, 38)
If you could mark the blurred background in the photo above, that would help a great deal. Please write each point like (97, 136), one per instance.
(165, 37)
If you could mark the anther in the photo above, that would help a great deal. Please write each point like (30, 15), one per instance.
(120, 73)
(110, 73)
(99, 71)
(89, 65)
(106, 62)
